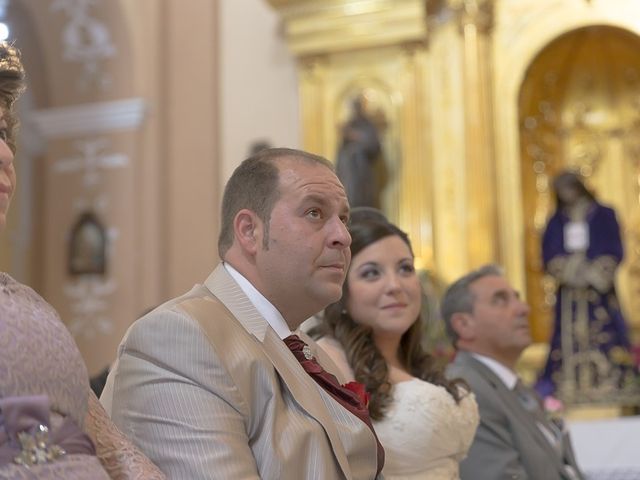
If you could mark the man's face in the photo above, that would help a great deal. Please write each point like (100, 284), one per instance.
(304, 263)
(499, 322)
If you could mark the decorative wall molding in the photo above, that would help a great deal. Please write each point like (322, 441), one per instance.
(90, 298)
(314, 27)
(479, 13)
(90, 118)
(86, 40)
(93, 160)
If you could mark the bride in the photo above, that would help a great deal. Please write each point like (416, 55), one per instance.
(425, 422)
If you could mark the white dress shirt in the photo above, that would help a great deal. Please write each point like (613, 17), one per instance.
(264, 306)
(508, 376)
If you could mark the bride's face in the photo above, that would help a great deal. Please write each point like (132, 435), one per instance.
(384, 290)
(7, 174)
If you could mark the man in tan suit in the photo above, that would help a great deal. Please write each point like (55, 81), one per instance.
(205, 385)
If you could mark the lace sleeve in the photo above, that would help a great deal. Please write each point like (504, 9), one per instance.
(118, 455)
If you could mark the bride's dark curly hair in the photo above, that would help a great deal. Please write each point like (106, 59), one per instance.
(368, 364)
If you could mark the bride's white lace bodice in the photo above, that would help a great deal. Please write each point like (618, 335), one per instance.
(425, 433)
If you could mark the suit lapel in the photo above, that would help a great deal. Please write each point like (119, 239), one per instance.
(302, 387)
(525, 419)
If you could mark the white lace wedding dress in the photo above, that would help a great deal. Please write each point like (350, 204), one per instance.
(425, 433)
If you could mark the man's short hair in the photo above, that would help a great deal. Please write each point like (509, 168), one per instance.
(254, 185)
(459, 298)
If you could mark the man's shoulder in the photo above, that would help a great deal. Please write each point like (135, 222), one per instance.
(467, 372)
(478, 377)
(178, 322)
(192, 336)
(464, 365)
(171, 309)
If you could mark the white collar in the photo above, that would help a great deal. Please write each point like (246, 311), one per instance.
(264, 306)
(508, 376)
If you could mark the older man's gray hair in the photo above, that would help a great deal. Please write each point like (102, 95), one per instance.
(459, 298)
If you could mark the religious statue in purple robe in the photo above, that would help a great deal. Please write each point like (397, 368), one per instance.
(582, 249)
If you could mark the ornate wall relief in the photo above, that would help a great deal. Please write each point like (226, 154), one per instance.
(90, 288)
(90, 295)
(90, 175)
(92, 161)
(86, 40)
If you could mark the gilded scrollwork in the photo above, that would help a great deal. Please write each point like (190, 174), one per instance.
(476, 13)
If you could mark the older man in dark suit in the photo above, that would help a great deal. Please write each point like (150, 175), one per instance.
(488, 323)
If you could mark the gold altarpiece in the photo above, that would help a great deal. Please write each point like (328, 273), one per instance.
(456, 84)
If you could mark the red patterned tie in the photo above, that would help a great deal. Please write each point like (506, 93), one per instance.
(347, 398)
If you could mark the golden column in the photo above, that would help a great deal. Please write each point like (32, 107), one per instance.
(465, 198)
(475, 22)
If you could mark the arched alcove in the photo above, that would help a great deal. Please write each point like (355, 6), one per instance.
(579, 108)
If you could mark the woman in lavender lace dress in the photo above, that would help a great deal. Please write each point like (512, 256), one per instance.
(425, 422)
(51, 426)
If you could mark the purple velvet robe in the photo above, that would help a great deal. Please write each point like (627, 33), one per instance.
(603, 308)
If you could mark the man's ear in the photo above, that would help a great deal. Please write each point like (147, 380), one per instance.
(246, 228)
(464, 325)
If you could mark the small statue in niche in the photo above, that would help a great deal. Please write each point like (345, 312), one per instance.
(87, 246)
(358, 154)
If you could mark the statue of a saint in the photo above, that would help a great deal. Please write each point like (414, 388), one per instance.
(357, 156)
(582, 248)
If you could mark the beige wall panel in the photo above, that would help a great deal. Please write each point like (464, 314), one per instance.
(189, 200)
(145, 22)
(258, 82)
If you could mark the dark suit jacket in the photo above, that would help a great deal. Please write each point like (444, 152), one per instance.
(508, 443)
